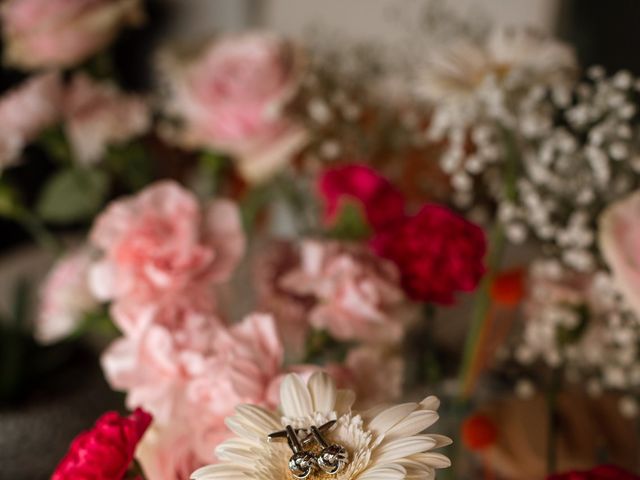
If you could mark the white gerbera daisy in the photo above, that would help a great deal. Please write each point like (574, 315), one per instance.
(388, 445)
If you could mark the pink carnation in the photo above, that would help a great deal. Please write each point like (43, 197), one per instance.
(97, 115)
(358, 294)
(289, 309)
(160, 242)
(619, 241)
(230, 96)
(62, 33)
(375, 375)
(65, 297)
(194, 373)
(382, 203)
(25, 112)
(168, 452)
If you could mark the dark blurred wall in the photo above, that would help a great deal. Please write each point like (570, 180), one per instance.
(605, 32)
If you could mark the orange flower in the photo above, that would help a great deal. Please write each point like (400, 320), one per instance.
(508, 287)
(479, 432)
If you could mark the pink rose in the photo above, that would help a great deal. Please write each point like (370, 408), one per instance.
(160, 242)
(231, 95)
(619, 241)
(25, 112)
(358, 294)
(97, 115)
(62, 33)
(65, 297)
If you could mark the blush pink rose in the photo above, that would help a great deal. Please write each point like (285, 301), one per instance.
(25, 112)
(97, 115)
(65, 297)
(619, 241)
(358, 294)
(160, 242)
(231, 96)
(62, 33)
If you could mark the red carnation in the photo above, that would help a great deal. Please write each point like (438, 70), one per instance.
(106, 451)
(603, 472)
(381, 201)
(437, 252)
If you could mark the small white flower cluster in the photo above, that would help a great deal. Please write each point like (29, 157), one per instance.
(550, 152)
(580, 323)
(484, 94)
(584, 156)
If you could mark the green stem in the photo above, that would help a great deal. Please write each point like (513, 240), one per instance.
(38, 231)
(481, 308)
(496, 246)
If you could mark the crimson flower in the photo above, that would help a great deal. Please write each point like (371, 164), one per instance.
(603, 472)
(437, 252)
(381, 202)
(106, 451)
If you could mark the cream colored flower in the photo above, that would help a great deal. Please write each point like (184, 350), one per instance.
(543, 57)
(458, 70)
(388, 445)
(455, 71)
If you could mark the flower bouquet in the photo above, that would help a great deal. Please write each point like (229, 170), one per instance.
(270, 256)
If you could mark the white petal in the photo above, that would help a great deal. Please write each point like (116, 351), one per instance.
(295, 397)
(323, 392)
(404, 447)
(261, 421)
(415, 423)
(384, 472)
(430, 403)
(441, 440)
(433, 459)
(344, 401)
(388, 418)
(221, 472)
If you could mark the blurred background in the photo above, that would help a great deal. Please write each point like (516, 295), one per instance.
(597, 29)
(603, 33)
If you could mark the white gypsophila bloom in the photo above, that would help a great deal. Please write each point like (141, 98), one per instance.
(386, 446)
(580, 323)
(481, 90)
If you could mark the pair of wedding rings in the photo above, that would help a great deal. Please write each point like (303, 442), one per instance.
(331, 458)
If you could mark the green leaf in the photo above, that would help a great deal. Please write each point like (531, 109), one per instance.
(55, 143)
(350, 223)
(9, 200)
(73, 195)
(210, 173)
